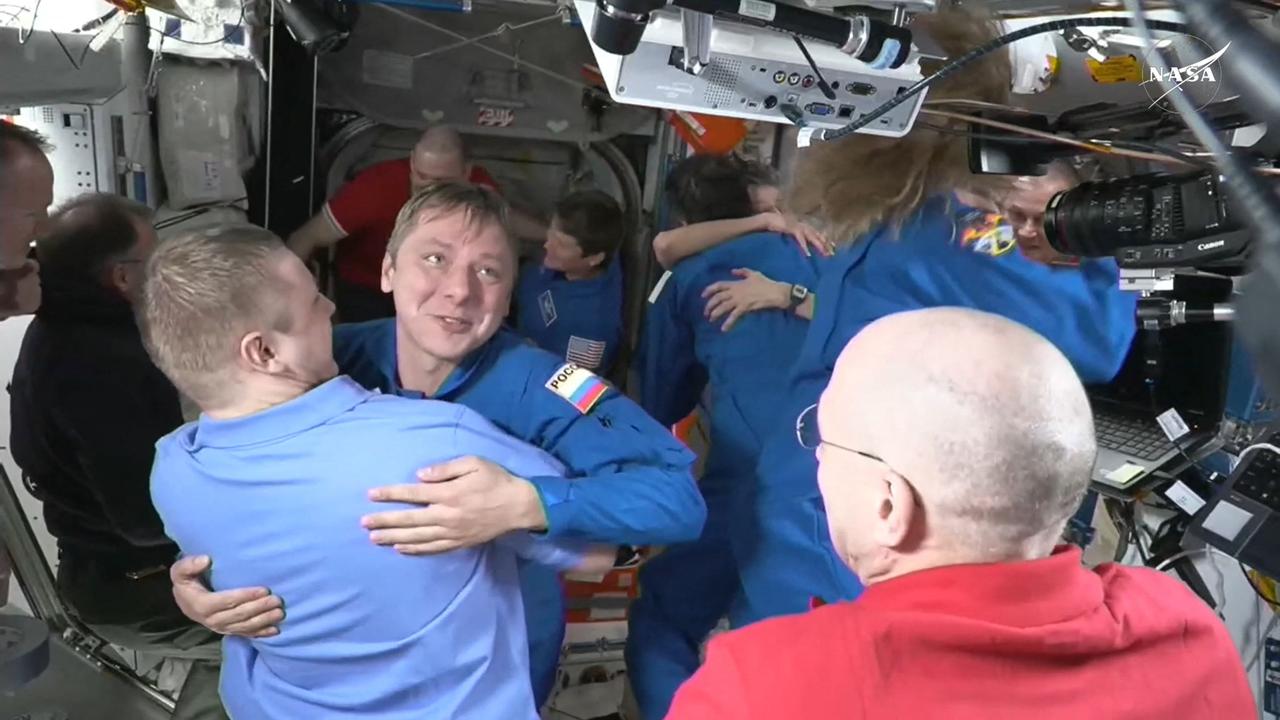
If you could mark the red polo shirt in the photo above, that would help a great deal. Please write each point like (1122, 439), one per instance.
(1040, 640)
(366, 208)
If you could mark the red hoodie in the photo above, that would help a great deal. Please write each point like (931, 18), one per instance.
(1046, 639)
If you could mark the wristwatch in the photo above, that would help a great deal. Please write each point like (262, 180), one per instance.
(798, 295)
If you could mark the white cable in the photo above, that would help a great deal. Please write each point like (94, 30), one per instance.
(1174, 558)
(1257, 446)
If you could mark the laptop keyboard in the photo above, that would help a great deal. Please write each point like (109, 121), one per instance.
(1261, 479)
(1135, 437)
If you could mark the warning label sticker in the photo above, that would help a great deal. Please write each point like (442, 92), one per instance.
(1122, 69)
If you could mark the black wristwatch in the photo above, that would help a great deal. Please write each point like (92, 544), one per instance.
(799, 294)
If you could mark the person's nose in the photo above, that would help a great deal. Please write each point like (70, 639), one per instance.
(456, 284)
(1030, 228)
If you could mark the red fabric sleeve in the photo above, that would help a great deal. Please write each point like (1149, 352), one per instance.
(357, 204)
(480, 176)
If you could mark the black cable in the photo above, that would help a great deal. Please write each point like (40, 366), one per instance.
(1015, 139)
(1263, 5)
(65, 51)
(822, 82)
(954, 66)
(1152, 370)
(97, 22)
(1256, 590)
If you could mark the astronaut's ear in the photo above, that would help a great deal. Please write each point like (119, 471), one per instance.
(388, 272)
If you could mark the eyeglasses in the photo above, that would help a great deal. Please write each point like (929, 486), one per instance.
(809, 437)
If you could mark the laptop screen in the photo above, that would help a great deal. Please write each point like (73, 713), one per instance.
(1189, 364)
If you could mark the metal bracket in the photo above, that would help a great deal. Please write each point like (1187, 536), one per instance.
(697, 41)
(1146, 280)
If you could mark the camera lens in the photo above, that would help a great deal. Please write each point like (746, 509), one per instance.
(1100, 219)
(617, 30)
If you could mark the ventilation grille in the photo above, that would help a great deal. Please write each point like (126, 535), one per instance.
(722, 81)
(49, 116)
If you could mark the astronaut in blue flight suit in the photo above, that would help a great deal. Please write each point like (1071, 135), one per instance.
(451, 269)
(686, 589)
(945, 254)
(569, 302)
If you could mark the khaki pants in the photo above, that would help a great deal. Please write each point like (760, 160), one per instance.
(141, 615)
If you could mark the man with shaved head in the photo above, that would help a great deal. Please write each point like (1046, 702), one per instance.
(952, 448)
(26, 192)
(360, 217)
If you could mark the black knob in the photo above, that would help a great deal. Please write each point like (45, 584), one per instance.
(770, 102)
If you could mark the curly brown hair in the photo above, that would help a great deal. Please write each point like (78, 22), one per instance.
(831, 184)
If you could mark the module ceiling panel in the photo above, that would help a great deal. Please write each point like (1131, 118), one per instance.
(408, 67)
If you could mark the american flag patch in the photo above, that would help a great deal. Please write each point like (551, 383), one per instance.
(585, 353)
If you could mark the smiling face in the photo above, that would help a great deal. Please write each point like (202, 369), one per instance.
(451, 280)
(564, 252)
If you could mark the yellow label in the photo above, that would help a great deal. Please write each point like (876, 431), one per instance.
(1123, 69)
(1125, 474)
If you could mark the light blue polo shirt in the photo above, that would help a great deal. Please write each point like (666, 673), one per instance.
(276, 499)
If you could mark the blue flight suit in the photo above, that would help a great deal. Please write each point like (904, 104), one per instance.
(578, 320)
(630, 481)
(688, 588)
(945, 255)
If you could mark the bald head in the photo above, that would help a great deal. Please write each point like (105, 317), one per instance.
(439, 156)
(986, 421)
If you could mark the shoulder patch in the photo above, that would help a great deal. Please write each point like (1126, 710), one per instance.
(580, 387)
(547, 303)
(987, 234)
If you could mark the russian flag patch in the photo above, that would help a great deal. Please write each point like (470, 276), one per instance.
(579, 386)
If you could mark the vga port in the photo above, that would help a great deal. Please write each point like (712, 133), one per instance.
(819, 109)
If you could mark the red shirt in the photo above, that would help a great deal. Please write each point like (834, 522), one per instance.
(366, 208)
(1040, 640)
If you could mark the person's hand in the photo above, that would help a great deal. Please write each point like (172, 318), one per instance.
(247, 612)
(805, 235)
(736, 298)
(469, 501)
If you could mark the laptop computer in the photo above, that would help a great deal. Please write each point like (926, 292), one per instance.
(1183, 368)
(1243, 520)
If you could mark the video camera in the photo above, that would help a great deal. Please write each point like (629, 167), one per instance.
(1151, 221)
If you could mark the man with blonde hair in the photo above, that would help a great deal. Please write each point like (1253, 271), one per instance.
(948, 474)
(272, 481)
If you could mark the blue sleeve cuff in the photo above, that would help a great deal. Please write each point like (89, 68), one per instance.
(555, 492)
